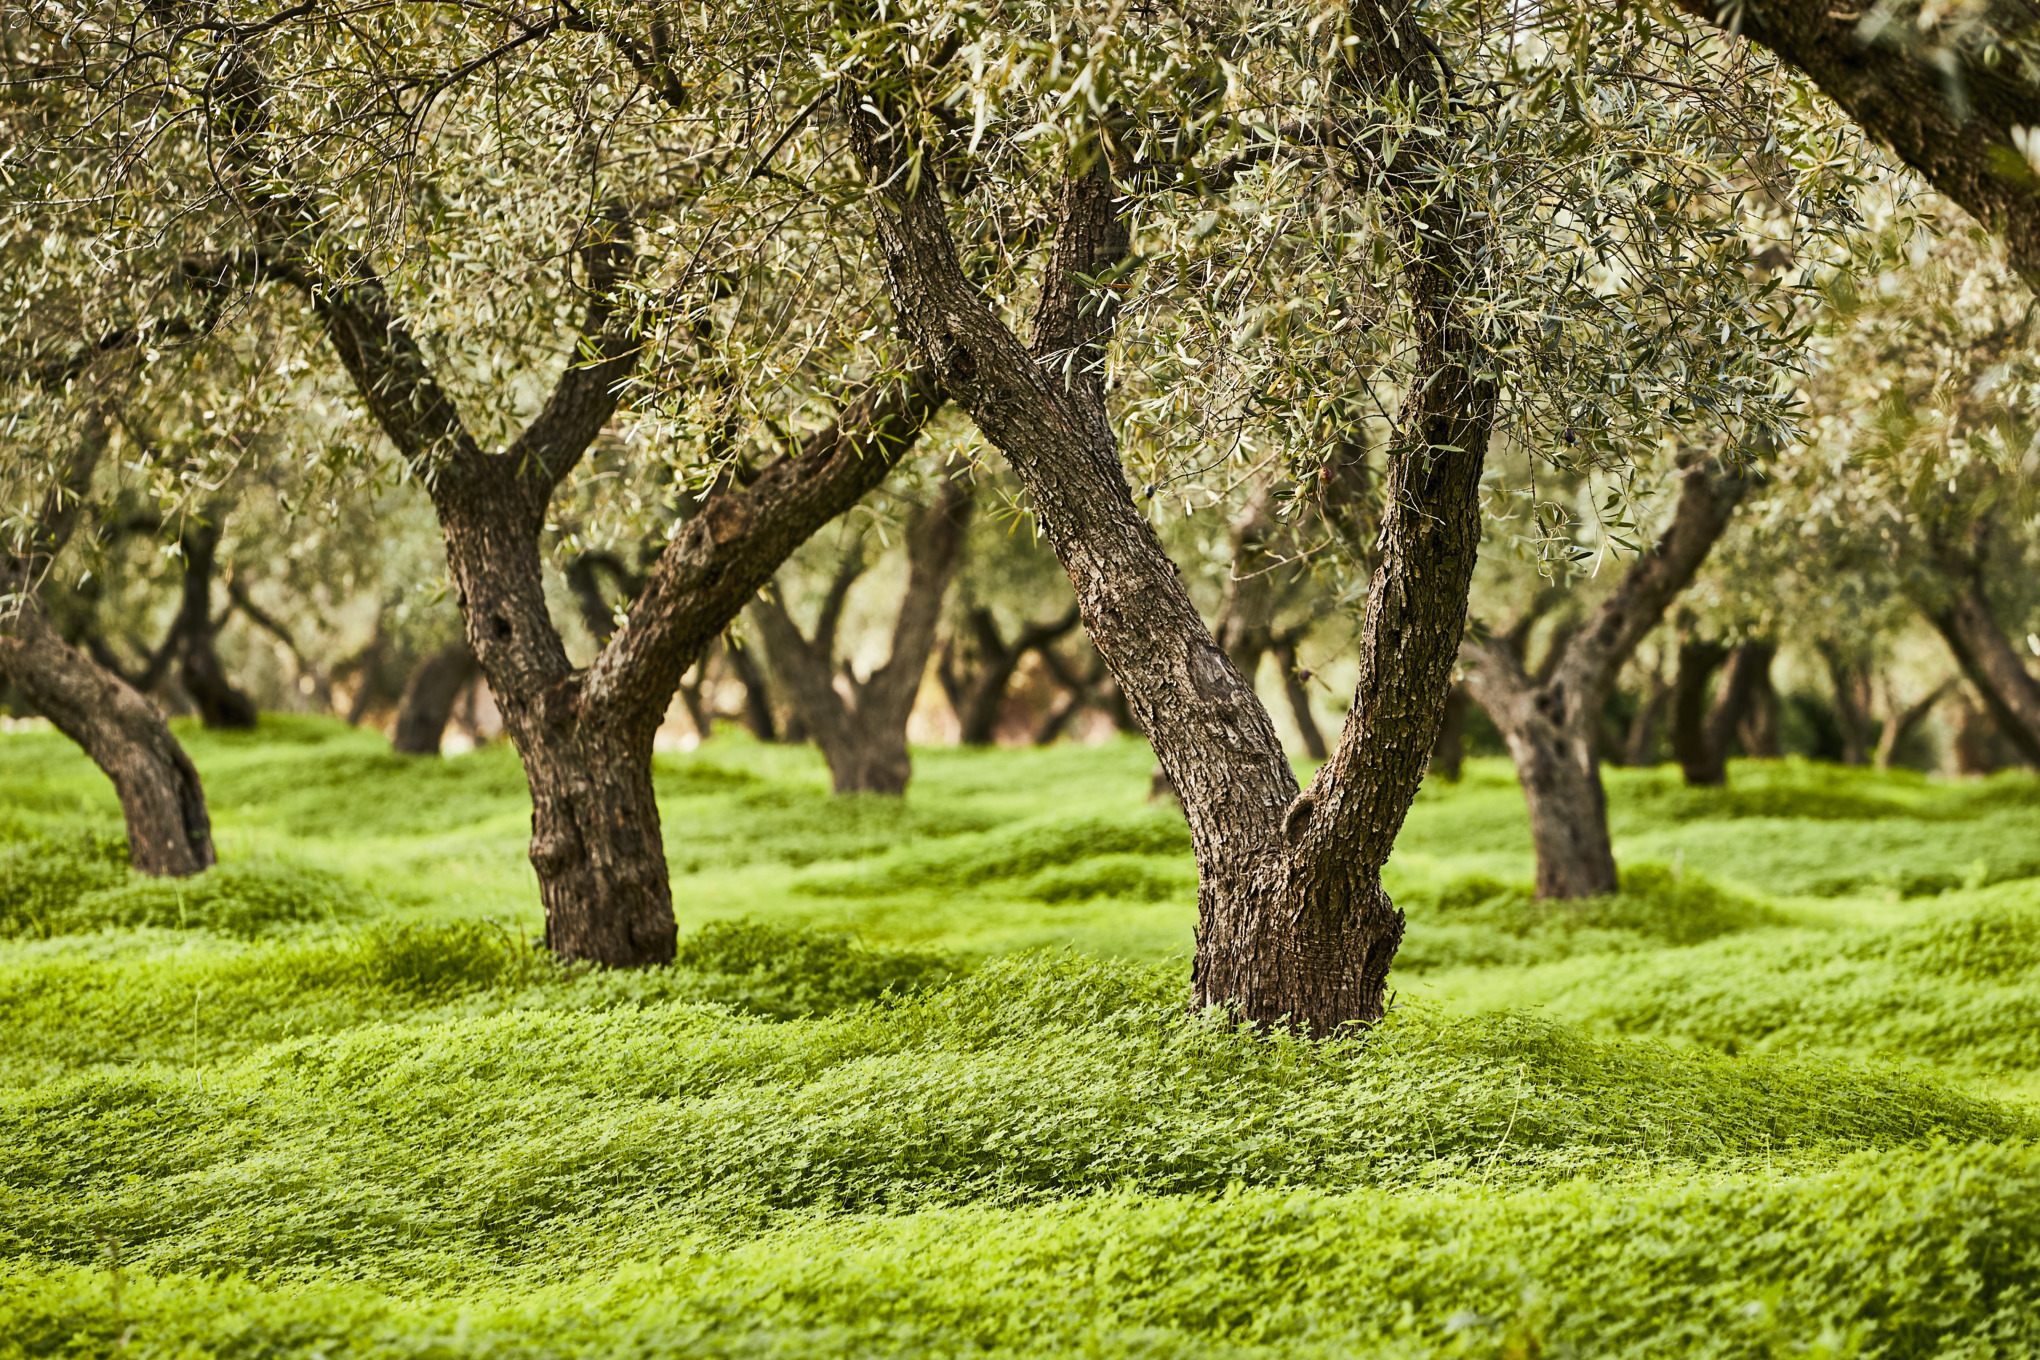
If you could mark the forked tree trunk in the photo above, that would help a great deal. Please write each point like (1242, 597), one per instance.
(1903, 719)
(979, 695)
(1551, 720)
(864, 737)
(429, 697)
(1293, 925)
(585, 735)
(757, 698)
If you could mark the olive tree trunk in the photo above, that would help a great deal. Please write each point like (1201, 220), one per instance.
(1550, 719)
(584, 734)
(1294, 927)
(429, 696)
(161, 799)
(220, 705)
(979, 694)
(1952, 110)
(863, 735)
(1961, 613)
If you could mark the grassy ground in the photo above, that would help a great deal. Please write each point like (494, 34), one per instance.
(921, 1083)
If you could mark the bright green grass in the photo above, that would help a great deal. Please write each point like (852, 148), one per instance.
(326, 1101)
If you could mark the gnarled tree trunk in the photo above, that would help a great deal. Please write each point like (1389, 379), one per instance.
(1293, 925)
(429, 696)
(864, 736)
(585, 735)
(1550, 720)
(161, 799)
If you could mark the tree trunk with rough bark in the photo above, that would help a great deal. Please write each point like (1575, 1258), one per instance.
(1952, 110)
(429, 696)
(584, 734)
(1551, 720)
(161, 799)
(864, 736)
(1293, 925)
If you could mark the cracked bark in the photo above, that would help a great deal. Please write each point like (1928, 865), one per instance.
(1950, 117)
(584, 735)
(1293, 925)
(1550, 721)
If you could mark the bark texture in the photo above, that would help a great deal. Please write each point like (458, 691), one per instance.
(1293, 925)
(863, 735)
(1944, 109)
(1550, 719)
(161, 799)
(584, 735)
(429, 696)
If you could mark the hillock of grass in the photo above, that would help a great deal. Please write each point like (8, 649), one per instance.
(1477, 921)
(1056, 859)
(1958, 990)
(1928, 1253)
(149, 997)
(443, 1150)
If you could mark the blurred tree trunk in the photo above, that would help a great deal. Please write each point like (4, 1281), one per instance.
(1959, 608)
(161, 799)
(219, 704)
(757, 698)
(1550, 720)
(1699, 659)
(429, 696)
(1448, 753)
(1703, 732)
(1849, 674)
(1638, 742)
(1901, 719)
(1757, 727)
(864, 736)
(1296, 687)
(979, 694)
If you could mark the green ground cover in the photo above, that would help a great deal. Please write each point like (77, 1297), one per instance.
(921, 1082)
